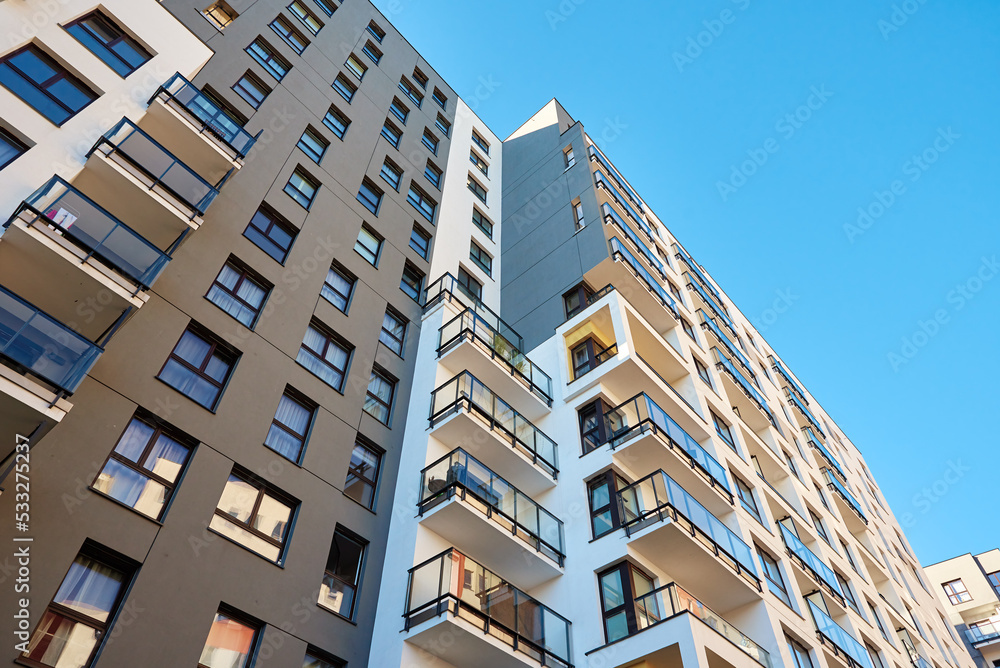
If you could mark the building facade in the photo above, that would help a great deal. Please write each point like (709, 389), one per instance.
(254, 413)
(969, 589)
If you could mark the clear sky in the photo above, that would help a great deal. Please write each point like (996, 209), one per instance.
(757, 131)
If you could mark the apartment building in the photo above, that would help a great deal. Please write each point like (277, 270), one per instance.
(968, 587)
(236, 366)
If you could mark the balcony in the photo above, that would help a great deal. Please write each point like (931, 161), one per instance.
(613, 219)
(473, 508)
(597, 156)
(983, 633)
(638, 431)
(844, 496)
(751, 403)
(198, 128)
(805, 413)
(489, 622)
(656, 511)
(466, 413)
(470, 341)
(711, 304)
(138, 180)
(447, 289)
(809, 562)
(827, 456)
(842, 642)
(709, 326)
(787, 377)
(605, 184)
(695, 271)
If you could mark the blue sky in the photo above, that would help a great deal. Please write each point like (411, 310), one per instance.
(862, 236)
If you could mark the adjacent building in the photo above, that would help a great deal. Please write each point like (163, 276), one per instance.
(301, 364)
(969, 589)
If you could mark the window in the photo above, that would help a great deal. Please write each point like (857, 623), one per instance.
(878, 620)
(356, 67)
(251, 89)
(481, 258)
(80, 614)
(471, 285)
(746, 499)
(703, 372)
(688, 329)
(368, 245)
(338, 286)
(106, 40)
(268, 58)
(593, 429)
(325, 354)
(313, 144)
(820, 529)
(339, 589)
(482, 222)
(412, 282)
(957, 593)
(391, 133)
(391, 174)
(577, 299)
(393, 331)
(399, 110)
(316, 658)
(675, 291)
(372, 52)
(291, 36)
(443, 125)
(344, 87)
(44, 85)
(477, 189)
(587, 356)
(569, 159)
(254, 515)
(271, 234)
(411, 92)
(239, 292)
(430, 141)
(424, 204)
(370, 196)
(772, 573)
(143, 469)
(601, 493)
(620, 586)
(312, 24)
(232, 641)
(722, 429)
(820, 494)
(420, 78)
(337, 122)
(378, 399)
(362, 475)
(420, 241)
(290, 426)
(578, 218)
(875, 656)
(10, 148)
(440, 98)
(479, 162)
(199, 367)
(376, 32)
(848, 594)
(800, 655)
(791, 464)
(220, 14)
(328, 7)
(433, 174)
(480, 142)
(301, 188)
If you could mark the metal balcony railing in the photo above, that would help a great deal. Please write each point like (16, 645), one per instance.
(776, 365)
(983, 632)
(447, 287)
(817, 443)
(709, 325)
(595, 154)
(611, 217)
(600, 357)
(696, 271)
(836, 635)
(723, 364)
(840, 489)
(603, 182)
(822, 573)
(620, 252)
(794, 401)
(452, 583)
(460, 474)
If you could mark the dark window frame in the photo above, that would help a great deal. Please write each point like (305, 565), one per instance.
(303, 439)
(274, 221)
(626, 572)
(392, 382)
(330, 338)
(246, 274)
(110, 25)
(337, 295)
(425, 237)
(291, 35)
(395, 341)
(408, 266)
(229, 355)
(368, 480)
(481, 258)
(467, 281)
(263, 488)
(308, 178)
(267, 57)
(60, 74)
(334, 114)
(309, 150)
(370, 195)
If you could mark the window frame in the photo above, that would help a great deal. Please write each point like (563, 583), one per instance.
(478, 223)
(391, 133)
(396, 341)
(373, 52)
(123, 37)
(955, 595)
(390, 380)
(359, 576)
(307, 178)
(399, 110)
(420, 201)
(477, 255)
(274, 220)
(443, 124)
(330, 338)
(367, 481)
(334, 114)
(375, 31)
(328, 287)
(356, 67)
(798, 651)
(747, 500)
(60, 74)
(229, 355)
(248, 84)
(626, 576)
(615, 483)
(318, 138)
(724, 430)
(430, 141)
(478, 140)
(767, 562)
(580, 291)
(411, 92)
(377, 253)
(246, 274)
(477, 188)
(408, 266)
(425, 236)
(440, 98)
(346, 89)
(395, 171)
(303, 15)
(225, 9)
(432, 170)
(479, 162)
(467, 280)
(370, 195)
(19, 147)
(266, 56)
(310, 406)
(300, 42)
(263, 489)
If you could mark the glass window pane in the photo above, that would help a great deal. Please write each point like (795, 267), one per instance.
(228, 645)
(90, 588)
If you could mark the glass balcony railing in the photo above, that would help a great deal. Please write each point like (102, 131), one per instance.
(658, 497)
(470, 326)
(983, 632)
(447, 287)
(43, 347)
(732, 348)
(848, 498)
(799, 406)
(841, 639)
(604, 182)
(83, 223)
(713, 305)
(619, 251)
(595, 154)
(611, 217)
(640, 413)
(669, 600)
(452, 583)
(465, 391)
(460, 474)
(815, 442)
(812, 563)
(724, 364)
(157, 167)
(207, 113)
(776, 365)
(696, 271)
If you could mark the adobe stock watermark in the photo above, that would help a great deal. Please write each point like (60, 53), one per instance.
(564, 10)
(783, 301)
(914, 168)
(703, 39)
(899, 16)
(786, 126)
(958, 297)
(929, 495)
